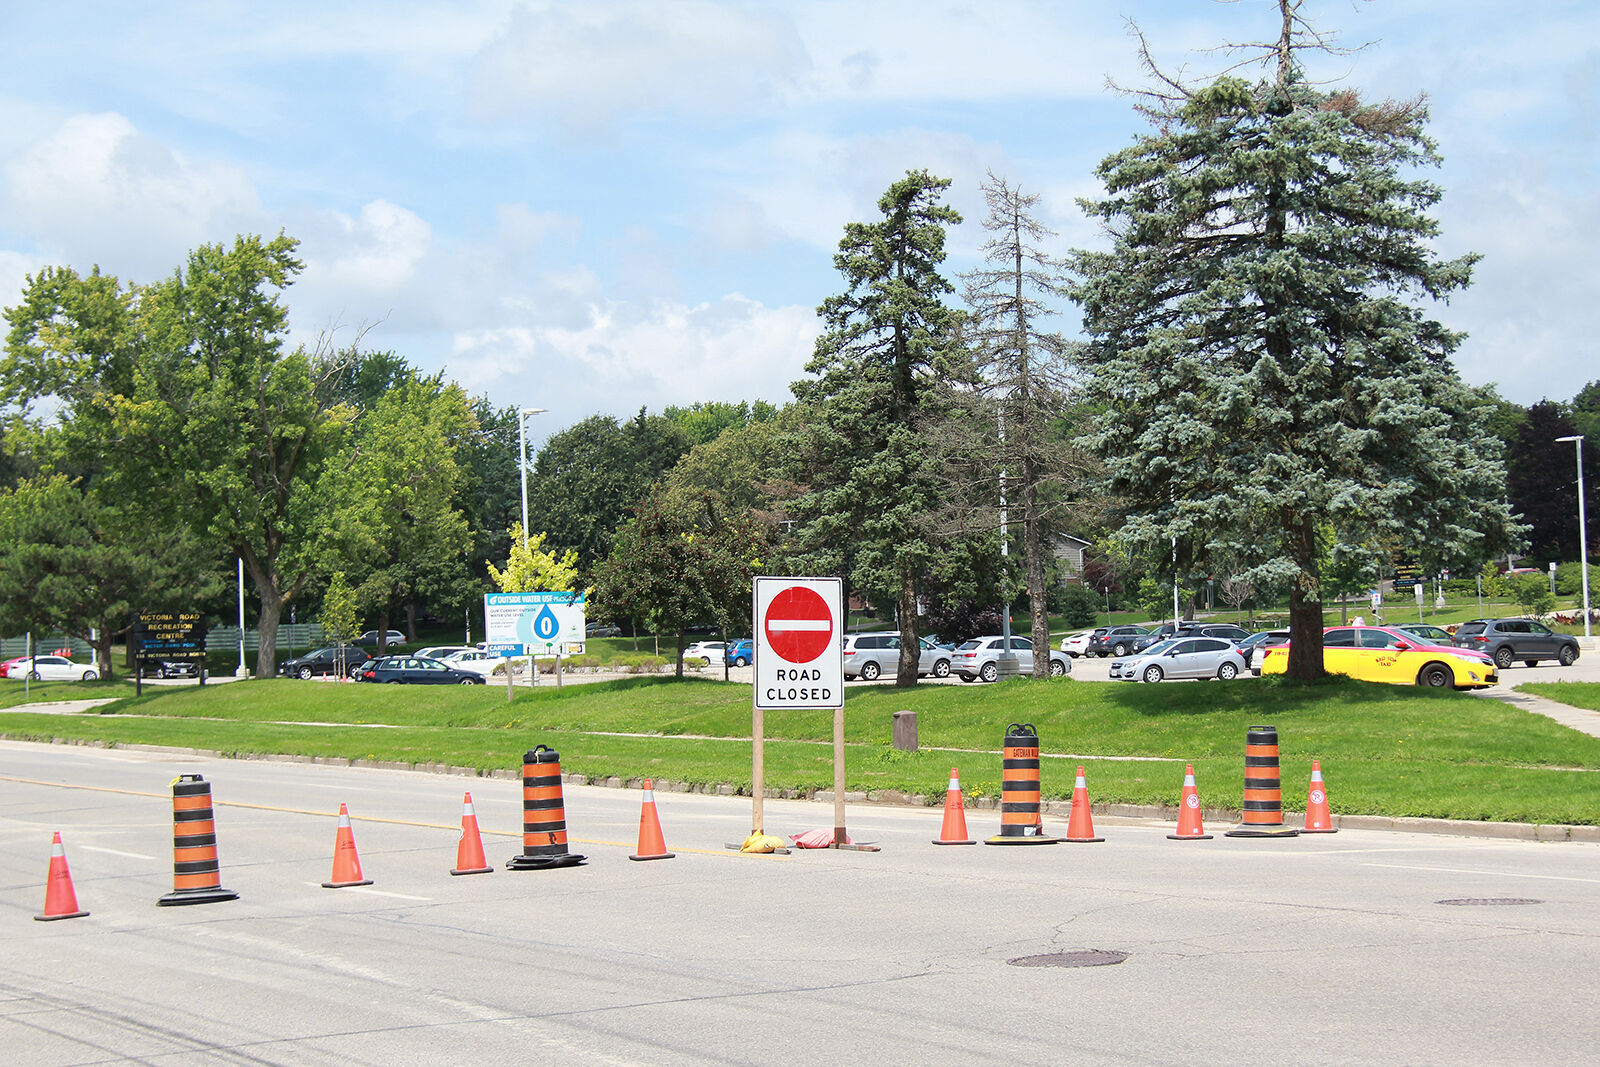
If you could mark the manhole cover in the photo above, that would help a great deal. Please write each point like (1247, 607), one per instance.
(1491, 900)
(1094, 957)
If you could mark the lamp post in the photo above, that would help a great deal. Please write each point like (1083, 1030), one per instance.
(1583, 530)
(522, 461)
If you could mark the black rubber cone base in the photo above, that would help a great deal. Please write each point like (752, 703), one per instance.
(197, 896)
(1031, 839)
(345, 885)
(1263, 831)
(657, 856)
(543, 863)
(475, 870)
(1188, 837)
(63, 915)
(967, 842)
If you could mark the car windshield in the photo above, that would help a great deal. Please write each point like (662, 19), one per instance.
(1160, 647)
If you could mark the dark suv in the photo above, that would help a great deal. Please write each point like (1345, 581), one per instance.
(1189, 628)
(323, 661)
(1508, 640)
(1114, 640)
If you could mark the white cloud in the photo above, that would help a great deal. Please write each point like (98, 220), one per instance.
(98, 190)
(577, 66)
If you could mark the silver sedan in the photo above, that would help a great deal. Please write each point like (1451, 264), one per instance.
(1182, 657)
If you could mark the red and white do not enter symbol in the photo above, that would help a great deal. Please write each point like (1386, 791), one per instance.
(799, 626)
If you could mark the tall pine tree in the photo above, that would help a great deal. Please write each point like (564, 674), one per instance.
(880, 365)
(1266, 381)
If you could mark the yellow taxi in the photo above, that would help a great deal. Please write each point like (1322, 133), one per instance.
(1382, 654)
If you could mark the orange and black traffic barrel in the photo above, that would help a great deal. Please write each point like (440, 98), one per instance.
(196, 878)
(544, 815)
(1263, 787)
(1020, 823)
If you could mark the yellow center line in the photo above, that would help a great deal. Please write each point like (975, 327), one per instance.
(333, 815)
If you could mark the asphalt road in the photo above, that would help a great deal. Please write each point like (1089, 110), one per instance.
(1331, 949)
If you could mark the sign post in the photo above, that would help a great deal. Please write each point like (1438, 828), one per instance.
(799, 664)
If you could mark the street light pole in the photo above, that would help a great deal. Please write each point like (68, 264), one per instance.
(1583, 531)
(522, 462)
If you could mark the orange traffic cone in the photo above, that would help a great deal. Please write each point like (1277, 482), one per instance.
(954, 830)
(346, 864)
(651, 844)
(469, 853)
(1080, 825)
(1189, 825)
(60, 902)
(1318, 820)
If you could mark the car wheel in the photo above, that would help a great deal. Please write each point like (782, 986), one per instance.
(941, 669)
(1228, 672)
(740, 661)
(1057, 668)
(1503, 658)
(304, 673)
(89, 676)
(1119, 650)
(392, 681)
(466, 681)
(1153, 674)
(869, 671)
(35, 676)
(1435, 676)
(1567, 656)
(988, 672)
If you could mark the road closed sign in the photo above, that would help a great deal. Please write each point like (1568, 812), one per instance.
(799, 661)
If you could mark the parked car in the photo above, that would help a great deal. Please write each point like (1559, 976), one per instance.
(323, 661)
(978, 658)
(1250, 645)
(1433, 635)
(1182, 657)
(1191, 628)
(440, 651)
(1114, 640)
(710, 651)
(1077, 644)
(51, 669)
(1388, 654)
(169, 668)
(1508, 640)
(741, 653)
(475, 660)
(602, 629)
(869, 656)
(417, 670)
(390, 637)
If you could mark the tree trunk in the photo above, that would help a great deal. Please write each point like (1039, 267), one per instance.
(102, 653)
(677, 671)
(1033, 553)
(271, 613)
(910, 646)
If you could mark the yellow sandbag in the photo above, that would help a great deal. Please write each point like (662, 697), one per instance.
(761, 843)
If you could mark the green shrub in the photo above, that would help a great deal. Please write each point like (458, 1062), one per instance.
(1569, 579)
(1079, 605)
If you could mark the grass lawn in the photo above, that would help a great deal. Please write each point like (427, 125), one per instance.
(1385, 750)
(1577, 694)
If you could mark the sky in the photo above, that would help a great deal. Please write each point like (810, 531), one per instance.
(593, 207)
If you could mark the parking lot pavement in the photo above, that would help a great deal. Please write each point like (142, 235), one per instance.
(1357, 947)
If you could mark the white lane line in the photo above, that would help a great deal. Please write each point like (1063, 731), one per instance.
(374, 892)
(114, 852)
(1495, 874)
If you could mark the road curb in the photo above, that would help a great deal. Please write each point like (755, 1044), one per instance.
(1504, 831)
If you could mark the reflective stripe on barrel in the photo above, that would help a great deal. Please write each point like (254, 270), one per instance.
(544, 816)
(1019, 781)
(194, 835)
(1263, 786)
(196, 878)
